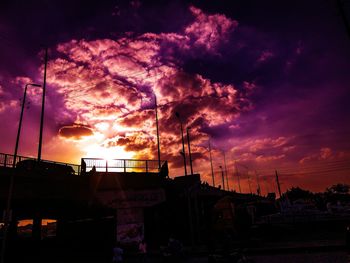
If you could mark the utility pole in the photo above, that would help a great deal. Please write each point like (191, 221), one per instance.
(258, 184)
(183, 142)
(266, 186)
(42, 110)
(158, 145)
(249, 183)
(278, 184)
(211, 165)
(223, 177)
(8, 212)
(226, 172)
(239, 183)
(189, 149)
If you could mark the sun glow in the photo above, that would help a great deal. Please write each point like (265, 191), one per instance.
(116, 152)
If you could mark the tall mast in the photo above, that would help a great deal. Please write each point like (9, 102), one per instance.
(211, 165)
(239, 182)
(42, 110)
(158, 144)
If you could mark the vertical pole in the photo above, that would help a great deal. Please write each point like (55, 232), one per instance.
(266, 186)
(124, 166)
(227, 185)
(158, 144)
(7, 218)
(146, 167)
(183, 142)
(278, 184)
(223, 178)
(189, 149)
(239, 182)
(19, 127)
(249, 183)
(42, 109)
(37, 227)
(106, 166)
(258, 184)
(211, 164)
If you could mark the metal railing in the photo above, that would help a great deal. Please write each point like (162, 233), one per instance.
(101, 165)
(6, 160)
(120, 165)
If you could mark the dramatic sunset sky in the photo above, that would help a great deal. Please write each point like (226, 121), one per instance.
(266, 81)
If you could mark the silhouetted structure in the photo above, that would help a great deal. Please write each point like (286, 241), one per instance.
(183, 153)
(94, 210)
(189, 148)
(211, 164)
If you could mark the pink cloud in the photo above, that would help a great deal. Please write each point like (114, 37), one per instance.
(209, 31)
(324, 154)
(265, 55)
(267, 143)
(101, 84)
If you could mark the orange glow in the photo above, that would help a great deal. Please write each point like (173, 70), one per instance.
(25, 222)
(97, 151)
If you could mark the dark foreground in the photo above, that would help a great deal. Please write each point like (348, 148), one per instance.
(322, 254)
(297, 257)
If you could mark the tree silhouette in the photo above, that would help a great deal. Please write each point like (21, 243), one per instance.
(338, 189)
(296, 193)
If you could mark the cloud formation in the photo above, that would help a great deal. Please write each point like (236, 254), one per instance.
(258, 91)
(75, 132)
(109, 86)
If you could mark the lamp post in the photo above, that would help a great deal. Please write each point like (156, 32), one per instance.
(227, 185)
(183, 142)
(42, 110)
(238, 180)
(20, 121)
(258, 189)
(158, 145)
(223, 178)
(211, 164)
(189, 149)
(7, 216)
(249, 183)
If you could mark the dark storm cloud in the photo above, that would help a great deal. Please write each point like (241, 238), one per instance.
(75, 132)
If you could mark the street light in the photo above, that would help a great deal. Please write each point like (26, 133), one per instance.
(189, 149)
(183, 153)
(158, 145)
(227, 185)
(211, 164)
(20, 121)
(9, 197)
(223, 179)
(238, 180)
(42, 109)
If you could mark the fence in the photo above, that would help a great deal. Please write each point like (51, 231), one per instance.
(120, 165)
(101, 165)
(6, 160)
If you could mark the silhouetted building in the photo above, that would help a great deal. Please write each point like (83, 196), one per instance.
(109, 202)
